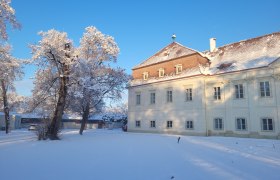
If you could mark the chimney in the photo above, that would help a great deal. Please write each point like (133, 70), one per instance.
(212, 44)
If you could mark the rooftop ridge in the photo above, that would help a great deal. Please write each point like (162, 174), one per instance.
(186, 47)
(142, 64)
(245, 40)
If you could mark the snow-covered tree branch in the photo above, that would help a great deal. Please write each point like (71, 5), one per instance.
(78, 79)
(96, 79)
(7, 16)
(10, 70)
(54, 56)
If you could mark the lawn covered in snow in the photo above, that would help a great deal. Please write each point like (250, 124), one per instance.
(117, 155)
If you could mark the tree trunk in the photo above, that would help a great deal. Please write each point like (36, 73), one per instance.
(54, 127)
(85, 118)
(6, 106)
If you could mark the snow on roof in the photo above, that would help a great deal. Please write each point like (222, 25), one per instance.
(101, 116)
(96, 117)
(11, 113)
(171, 51)
(31, 115)
(247, 54)
(71, 116)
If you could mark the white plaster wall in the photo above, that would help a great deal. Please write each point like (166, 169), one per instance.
(178, 111)
(203, 109)
(253, 107)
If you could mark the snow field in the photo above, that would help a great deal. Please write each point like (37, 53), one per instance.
(113, 154)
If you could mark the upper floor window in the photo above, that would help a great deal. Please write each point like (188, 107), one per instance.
(264, 89)
(241, 124)
(145, 75)
(152, 98)
(218, 124)
(161, 72)
(179, 68)
(267, 124)
(138, 99)
(169, 95)
(239, 91)
(217, 93)
(189, 94)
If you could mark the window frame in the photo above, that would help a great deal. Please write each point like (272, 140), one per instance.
(237, 91)
(188, 94)
(169, 96)
(264, 92)
(145, 75)
(241, 125)
(152, 98)
(138, 100)
(178, 68)
(138, 124)
(217, 93)
(161, 72)
(222, 123)
(152, 124)
(267, 124)
(189, 125)
(169, 124)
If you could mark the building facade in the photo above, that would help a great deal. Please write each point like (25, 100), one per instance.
(233, 90)
(15, 121)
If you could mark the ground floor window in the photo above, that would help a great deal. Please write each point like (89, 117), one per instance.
(169, 124)
(189, 124)
(153, 124)
(267, 124)
(218, 124)
(241, 124)
(137, 123)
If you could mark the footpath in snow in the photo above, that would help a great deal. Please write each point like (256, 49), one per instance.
(117, 155)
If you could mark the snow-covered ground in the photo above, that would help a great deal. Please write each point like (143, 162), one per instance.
(116, 155)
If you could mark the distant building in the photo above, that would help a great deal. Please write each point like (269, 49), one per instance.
(15, 121)
(232, 90)
(97, 121)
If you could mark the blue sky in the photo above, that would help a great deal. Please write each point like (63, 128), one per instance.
(141, 28)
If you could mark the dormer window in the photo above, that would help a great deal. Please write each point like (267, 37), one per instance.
(179, 68)
(161, 72)
(145, 75)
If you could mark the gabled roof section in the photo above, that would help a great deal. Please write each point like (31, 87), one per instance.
(247, 54)
(171, 51)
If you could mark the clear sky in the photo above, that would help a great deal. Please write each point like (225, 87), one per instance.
(142, 27)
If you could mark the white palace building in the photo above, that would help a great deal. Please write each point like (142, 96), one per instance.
(232, 90)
